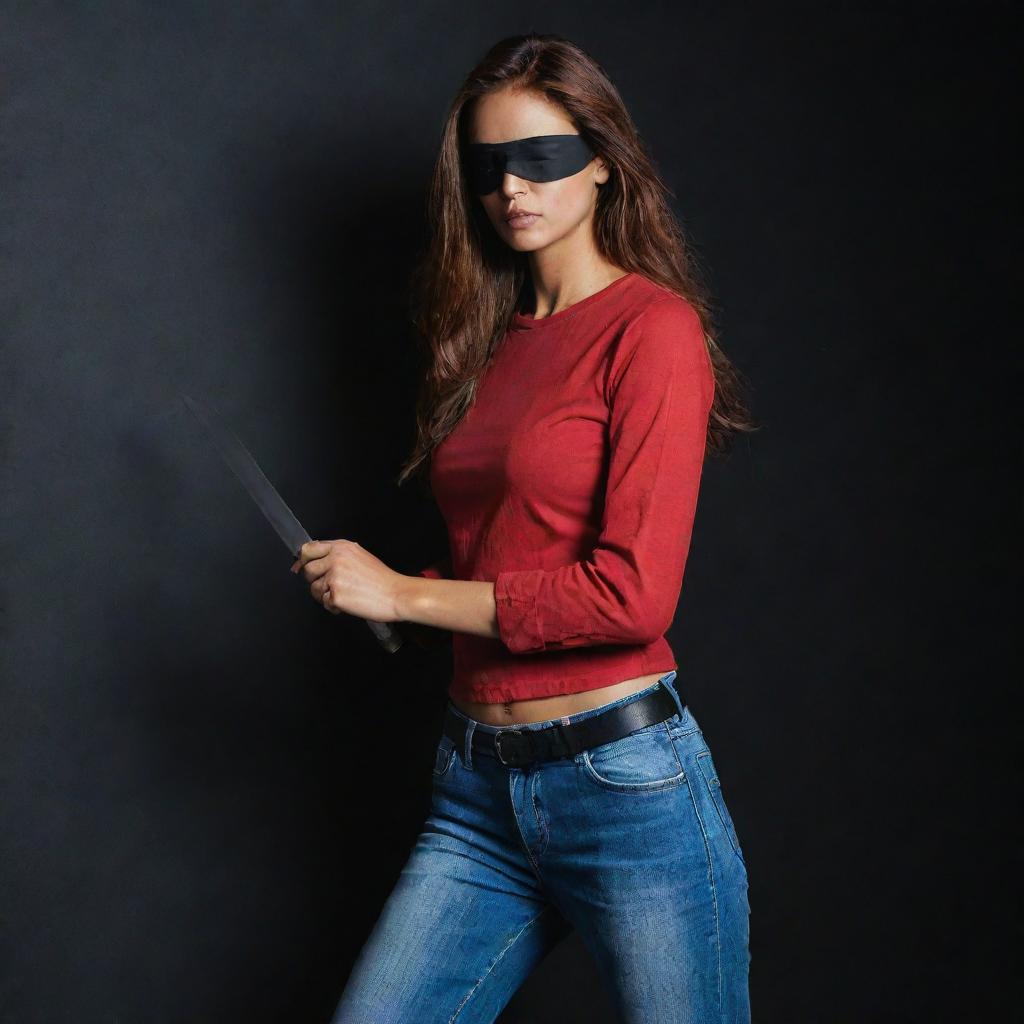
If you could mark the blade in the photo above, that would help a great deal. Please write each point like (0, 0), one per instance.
(262, 491)
(281, 517)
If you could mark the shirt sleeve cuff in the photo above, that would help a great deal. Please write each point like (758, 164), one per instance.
(519, 625)
(437, 571)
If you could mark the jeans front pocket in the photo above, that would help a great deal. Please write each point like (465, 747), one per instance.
(642, 762)
(706, 764)
(443, 756)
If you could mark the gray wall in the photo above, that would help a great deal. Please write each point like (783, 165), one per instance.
(196, 822)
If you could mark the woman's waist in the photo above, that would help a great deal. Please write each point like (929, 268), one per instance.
(490, 684)
(543, 709)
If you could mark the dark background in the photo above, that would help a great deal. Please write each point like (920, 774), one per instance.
(202, 809)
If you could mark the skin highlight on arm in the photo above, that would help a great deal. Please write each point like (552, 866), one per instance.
(462, 606)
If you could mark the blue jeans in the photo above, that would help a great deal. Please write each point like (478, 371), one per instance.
(629, 842)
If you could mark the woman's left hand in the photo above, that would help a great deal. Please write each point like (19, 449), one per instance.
(345, 577)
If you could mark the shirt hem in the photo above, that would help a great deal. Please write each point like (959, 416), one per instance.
(500, 693)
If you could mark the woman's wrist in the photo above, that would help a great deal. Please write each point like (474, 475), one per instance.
(410, 596)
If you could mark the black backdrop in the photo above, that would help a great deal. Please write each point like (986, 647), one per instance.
(209, 784)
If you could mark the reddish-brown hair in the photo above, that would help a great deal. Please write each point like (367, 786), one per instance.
(467, 283)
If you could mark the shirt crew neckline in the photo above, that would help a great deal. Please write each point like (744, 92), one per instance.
(529, 322)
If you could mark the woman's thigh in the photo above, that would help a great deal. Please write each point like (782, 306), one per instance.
(643, 860)
(466, 922)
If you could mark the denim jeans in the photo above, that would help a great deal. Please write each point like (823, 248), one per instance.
(630, 843)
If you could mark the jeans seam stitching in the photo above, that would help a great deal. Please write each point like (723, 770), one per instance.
(672, 782)
(494, 963)
(519, 829)
(714, 889)
(536, 813)
(683, 735)
(729, 831)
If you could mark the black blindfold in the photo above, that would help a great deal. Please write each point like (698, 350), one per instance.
(538, 158)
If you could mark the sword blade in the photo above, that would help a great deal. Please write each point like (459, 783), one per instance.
(255, 481)
(271, 504)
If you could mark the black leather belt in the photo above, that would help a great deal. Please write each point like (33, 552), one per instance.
(517, 747)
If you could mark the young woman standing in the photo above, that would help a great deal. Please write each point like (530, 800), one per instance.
(574, 388)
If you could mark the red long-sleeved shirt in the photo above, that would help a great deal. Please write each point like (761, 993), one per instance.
(572, 483)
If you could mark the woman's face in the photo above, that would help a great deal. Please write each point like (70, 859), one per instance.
(563, 208)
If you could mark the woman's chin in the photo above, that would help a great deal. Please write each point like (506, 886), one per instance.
(525, 241)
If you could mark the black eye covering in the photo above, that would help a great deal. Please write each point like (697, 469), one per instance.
(538, 158)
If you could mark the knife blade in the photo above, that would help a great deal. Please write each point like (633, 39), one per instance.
(270, 503)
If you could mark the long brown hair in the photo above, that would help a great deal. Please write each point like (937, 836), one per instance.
(467, 283)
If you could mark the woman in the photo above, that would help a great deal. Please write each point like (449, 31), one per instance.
(574, 387)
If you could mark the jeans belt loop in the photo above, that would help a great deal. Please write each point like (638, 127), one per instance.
(671, 689)
(498, 737)
(467, 753)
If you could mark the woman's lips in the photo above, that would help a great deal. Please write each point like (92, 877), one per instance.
(523, 220)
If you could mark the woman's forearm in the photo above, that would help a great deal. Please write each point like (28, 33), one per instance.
(462, 606)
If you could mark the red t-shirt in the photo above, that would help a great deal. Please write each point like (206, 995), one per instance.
(572, 483)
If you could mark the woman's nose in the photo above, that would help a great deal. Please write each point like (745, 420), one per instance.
(511, 185)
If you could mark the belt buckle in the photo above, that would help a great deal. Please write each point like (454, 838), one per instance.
(498, 737)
